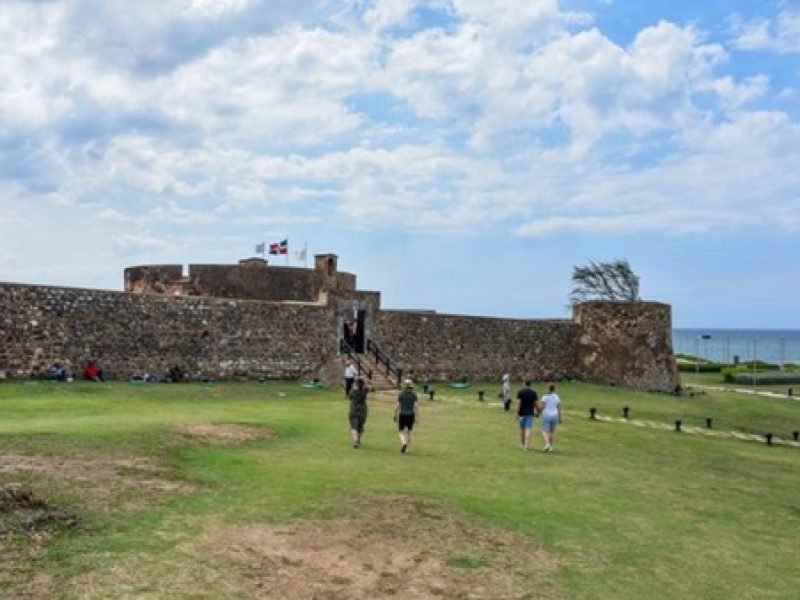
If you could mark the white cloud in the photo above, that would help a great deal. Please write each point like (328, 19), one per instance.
(781, 34)
(527, 117)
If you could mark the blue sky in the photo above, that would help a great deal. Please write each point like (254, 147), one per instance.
(459, 155)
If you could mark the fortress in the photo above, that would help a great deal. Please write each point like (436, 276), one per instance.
(255, 320)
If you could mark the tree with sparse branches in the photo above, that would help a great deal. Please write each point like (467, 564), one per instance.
(604, 281)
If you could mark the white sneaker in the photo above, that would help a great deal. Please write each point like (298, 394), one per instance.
(546, 448)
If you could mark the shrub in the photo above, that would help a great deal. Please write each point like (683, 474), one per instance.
(703, 367)
(771, 378)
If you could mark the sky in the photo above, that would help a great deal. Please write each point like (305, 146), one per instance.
(457, 155)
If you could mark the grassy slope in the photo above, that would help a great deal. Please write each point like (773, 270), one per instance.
(631, 511)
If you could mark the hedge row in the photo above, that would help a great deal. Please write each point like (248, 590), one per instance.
(763, 378)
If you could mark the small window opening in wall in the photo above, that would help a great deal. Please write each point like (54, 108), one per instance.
(331, 267)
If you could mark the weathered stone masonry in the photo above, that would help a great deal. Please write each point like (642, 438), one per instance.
(286, 322)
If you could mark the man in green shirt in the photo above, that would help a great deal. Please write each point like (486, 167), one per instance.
(406, 413)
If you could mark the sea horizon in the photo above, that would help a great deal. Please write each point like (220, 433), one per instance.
(718, 344)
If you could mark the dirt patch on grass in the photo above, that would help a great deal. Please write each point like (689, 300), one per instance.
(383, 548)
(101, 480)
(224, 433)
(21, 511)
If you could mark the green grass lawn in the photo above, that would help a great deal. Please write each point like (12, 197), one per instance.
(616, 512)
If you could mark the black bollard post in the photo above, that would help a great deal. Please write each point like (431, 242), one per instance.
(768, 437)
(796, 435)
(677, 424)
(431, 393)
(480, 395)
(593, 414)
(709, 423)
(424, 388)
(625, 411)
(789, 392)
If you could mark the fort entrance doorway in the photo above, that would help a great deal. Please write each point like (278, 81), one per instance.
(353, 331)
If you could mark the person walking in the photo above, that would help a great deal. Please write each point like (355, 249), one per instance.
(505, 392)
(349, 377)
(526, 411)
(358, 411)
(406, 414)
(551, 417)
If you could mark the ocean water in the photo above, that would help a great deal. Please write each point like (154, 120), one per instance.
(770, 345)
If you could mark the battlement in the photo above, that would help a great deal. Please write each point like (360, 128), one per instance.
(251, 279)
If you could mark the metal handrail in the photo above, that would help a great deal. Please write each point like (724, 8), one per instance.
(381, 358)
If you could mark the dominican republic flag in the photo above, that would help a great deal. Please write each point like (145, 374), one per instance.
(279, 247)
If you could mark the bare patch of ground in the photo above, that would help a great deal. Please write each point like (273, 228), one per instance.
(224, 433)
(100, 479)
(21, 511)
(382, 548)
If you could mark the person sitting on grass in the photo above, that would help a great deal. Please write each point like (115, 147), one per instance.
(93, 372)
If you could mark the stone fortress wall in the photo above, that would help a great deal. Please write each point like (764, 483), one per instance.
(256, 320)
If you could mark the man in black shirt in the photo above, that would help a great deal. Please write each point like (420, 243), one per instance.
(526, 410)
(406, 413)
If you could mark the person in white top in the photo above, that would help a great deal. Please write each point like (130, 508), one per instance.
(551, 416)
(349, 377)
(505, 392)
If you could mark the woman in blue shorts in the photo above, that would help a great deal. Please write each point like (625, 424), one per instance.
(551, 417)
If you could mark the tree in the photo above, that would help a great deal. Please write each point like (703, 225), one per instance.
(604, 281)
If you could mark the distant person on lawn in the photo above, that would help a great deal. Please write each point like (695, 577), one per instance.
(349, 377)
(406, 414)
(92, 371)
(505, 392)
(526, 411)
(551, 416)
(358, 411)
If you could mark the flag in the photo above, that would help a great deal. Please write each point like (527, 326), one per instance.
(281, 247)
(301, 254)
(260, 248)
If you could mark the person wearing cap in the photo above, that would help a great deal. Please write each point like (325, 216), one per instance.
(406, 413)
(358, 411)
(505, 392)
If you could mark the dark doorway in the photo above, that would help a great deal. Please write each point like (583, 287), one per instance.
(359, 340)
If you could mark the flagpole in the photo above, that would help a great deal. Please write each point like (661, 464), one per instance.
(287, 250)
(305, 255)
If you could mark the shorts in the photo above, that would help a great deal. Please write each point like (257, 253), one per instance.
(525, 421)
(406, 422)
(357, 421)
(549, 424)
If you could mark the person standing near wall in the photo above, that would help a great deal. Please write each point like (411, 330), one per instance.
(406, 414)
(358, 411)
(551, 417)
(505, 392)
(349, 378)
(526, 410)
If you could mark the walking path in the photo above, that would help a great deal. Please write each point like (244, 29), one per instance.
(688, 429)
(749, 391)
(691, 430)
